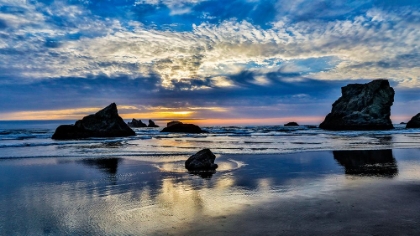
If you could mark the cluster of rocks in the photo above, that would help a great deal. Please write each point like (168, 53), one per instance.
(139, 124)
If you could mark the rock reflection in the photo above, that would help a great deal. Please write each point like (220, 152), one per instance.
(203, 174)
(368, 162)
(108, 165)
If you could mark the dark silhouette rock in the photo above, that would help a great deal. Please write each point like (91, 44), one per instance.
(403, 123)
(174, 122)
(368, 162)
(152, 124)
(362, 107)
(136, 123)
(105, 123)
(291, 124)
(184, 128)
(201, 161)
(414, 122)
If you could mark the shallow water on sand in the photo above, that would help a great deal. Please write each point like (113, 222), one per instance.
(249, 194)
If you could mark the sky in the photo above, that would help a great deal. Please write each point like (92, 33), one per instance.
(214, 62)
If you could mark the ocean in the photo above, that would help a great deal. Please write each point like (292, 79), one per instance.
(32, 139)
(271, 180)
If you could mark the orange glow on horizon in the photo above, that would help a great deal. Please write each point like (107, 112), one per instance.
(162, 117)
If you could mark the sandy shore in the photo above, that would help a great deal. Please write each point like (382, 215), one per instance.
(312, 193)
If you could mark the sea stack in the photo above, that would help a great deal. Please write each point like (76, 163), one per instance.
(105, 123)
(414, 122)
(136, 123)
(152, 124)
(362, 107)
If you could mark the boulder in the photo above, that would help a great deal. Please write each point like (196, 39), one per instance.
(174, 122)
(136, 123)
(184, 128)
(105, 123)
(362, 107)
(152, 124)
(291, 124)
(201, 161)
(414, 122)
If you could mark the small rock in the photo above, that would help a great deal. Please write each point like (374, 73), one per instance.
(184, 128)
(202, 160)
(174, 122)
(291, 124)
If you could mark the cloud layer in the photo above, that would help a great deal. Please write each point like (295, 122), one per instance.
(207, 52)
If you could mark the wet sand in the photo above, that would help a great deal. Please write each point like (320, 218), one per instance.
(313, 193)
(373, 209)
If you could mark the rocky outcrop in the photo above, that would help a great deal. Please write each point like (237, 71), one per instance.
(105, 123)
(414, 122)
(201, 161)
(152, 124)
(136, 123)
(184, 128)
(291, 124)
(362, 107)
(174, 122)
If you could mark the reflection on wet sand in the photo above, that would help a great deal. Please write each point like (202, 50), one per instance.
(368, 162)
(108, 165)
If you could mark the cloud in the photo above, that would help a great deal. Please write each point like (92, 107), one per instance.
(202, 53)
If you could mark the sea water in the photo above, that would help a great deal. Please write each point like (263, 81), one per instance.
(31, 139)
(271, 180)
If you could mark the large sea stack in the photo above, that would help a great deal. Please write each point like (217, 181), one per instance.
(105, 123)
(362, 107)
(414, 122)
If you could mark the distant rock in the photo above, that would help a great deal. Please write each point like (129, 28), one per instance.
(201, 161)
(136, 123)
(414, 122)
(105, 123)
(184, 128)
(291, 124)
(362, 107)
(174, 122)
(152, 124)
(403, 123)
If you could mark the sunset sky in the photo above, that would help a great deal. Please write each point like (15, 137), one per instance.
(229, 62)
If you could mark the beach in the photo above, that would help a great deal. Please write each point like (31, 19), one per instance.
(302, 193)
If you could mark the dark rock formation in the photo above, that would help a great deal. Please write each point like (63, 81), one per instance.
(403, 123)
(362, 107)
(201, 161)
(136, 123)
(174, 122)
(368, 162)
(414, 122)
(291, 124)
(184, 128)
(152, 124)
(105, 123)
